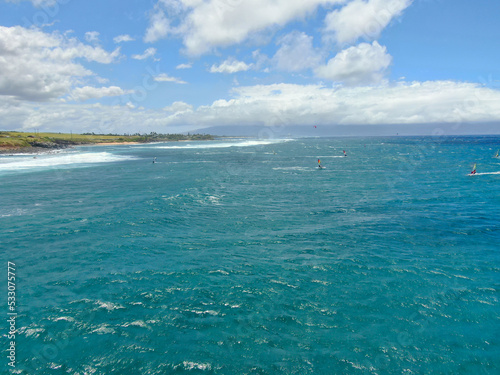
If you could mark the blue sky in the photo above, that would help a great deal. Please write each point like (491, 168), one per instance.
(181, 65)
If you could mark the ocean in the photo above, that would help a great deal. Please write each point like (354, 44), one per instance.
(240, 256)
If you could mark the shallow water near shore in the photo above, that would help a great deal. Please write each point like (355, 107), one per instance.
(241, 257)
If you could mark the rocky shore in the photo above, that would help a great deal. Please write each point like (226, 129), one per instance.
(35, 143)
(37, 148)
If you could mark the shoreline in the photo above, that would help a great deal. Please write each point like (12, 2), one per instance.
(113, 143)
(13, 142)
(29, 150)
(46, 150)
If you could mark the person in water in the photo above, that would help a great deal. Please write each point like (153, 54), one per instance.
(154, 160)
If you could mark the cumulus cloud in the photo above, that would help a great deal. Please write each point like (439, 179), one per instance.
(163, 77)
(88, 92)
(362, 64)
(206, 25)
(404, 103)
(158, 28)
(123, 38)
(39, 66)
(230, 66)
(160, 20)
(179, 108)
(361, 18)
(296, 53)
(92, 36)
(150, 52)
(184, 66)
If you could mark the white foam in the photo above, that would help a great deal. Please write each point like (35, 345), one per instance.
(103, 329)
(217, 144)
(108, 305)
(485, 173)
(58, 160)
(14, 212)
(188, 365)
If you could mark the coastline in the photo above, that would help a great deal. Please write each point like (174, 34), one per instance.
(46, 150)
(12, 143)
(29, 150)
(113, 143)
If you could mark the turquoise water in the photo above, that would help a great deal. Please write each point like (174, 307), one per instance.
(241, 257)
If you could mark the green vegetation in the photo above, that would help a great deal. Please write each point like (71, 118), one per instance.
(11, 140)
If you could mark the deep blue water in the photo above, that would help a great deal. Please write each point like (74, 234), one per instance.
(241, 257)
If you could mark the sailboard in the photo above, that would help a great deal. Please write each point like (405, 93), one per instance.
(473, 172)
(496, 155)
(319, 164)
(344, 153)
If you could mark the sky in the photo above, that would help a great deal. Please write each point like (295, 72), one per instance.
(170, 66)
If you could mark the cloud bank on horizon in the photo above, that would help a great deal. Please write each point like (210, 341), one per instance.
(188, 64)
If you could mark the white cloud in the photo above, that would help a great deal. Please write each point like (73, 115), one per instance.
(206, 25)
(92, 36)
(184, 66)
(40, 66)
(404, 103)
(159, 21)
(179, 108)
(166, 78)
(37, 3)
(150, 52)
(296, 53)
(362, 64)
(123, 38)
(360, 18)
(88, 92)
(230, 66)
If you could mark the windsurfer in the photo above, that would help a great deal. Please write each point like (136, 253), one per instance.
(473, 170)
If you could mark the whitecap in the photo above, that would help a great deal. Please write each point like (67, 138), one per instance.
(137, 323)
(103, 329)
(209, 312)
(59, 160)
(220, 271)
(109, 305)
(188, 365)
(35, 332)
(65, 318)
(225, 144)
(14, 212)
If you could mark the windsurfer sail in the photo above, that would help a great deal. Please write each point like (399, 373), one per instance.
(345, 153)
(473, 170)
(319, 164)
(496, 155)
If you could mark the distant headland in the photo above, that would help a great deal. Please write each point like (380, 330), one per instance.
(20, 142)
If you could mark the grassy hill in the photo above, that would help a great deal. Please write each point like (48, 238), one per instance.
(11, 140)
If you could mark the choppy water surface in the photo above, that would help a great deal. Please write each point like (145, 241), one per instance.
(241, 257)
